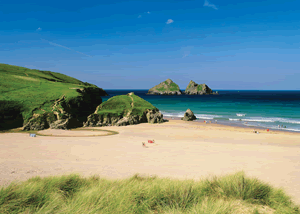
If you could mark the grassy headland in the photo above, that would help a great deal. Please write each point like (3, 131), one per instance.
(42, 96)
(124, 110)
(73, 194)
(124, 104)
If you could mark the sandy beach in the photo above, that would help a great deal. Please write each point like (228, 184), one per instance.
(183, 150)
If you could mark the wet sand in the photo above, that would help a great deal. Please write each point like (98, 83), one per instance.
(183, 150)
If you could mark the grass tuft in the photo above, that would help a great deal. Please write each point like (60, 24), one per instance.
(144, 194)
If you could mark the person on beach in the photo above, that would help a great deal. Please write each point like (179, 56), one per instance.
(151, 141)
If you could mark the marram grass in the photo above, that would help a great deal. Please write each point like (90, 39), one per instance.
(74, 194)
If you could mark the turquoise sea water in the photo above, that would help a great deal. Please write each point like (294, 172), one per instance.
(264, 109)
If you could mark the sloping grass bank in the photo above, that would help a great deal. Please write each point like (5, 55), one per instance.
(27, 94)
(73, 194)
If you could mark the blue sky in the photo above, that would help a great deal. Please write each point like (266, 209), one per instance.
(234, 44)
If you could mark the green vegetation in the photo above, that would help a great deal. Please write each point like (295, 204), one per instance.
(199, 87)
(166, 86)
(75, 194)
(174, 87)
(33, 92)
(124, 104)
(117, 105)
(161, 89)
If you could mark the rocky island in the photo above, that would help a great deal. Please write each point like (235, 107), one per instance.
(167, 87)
(198, 89)
(124, 110)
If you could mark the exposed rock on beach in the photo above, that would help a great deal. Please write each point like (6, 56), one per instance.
(189, 116)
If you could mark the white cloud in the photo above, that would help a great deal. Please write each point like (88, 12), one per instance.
(39, 29)
(169, 21)
(207, 4)
(140, 16)
(58, 45)
(148, 12)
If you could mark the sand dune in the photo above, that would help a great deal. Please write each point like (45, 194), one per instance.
(182, 150)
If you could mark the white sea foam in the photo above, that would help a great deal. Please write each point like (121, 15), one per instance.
(175, 114)
(247, 119)
(240, 115)
(258, 120)
(284, 120)
(233, 119)
(296, 130)
(271, 120)
(207, 116)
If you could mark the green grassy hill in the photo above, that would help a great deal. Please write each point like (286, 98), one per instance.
(43, 97)
(124, 110)
(124, 104)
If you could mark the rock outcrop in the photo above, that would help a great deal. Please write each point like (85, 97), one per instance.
(124, 110)
(198, 89)
(10, 115)
(44, 99)
(167, 87)
(67, 113)
(189, 116)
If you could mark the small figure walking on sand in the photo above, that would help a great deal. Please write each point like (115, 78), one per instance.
(144, 145)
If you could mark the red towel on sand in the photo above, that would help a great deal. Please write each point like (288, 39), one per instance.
(150, 141)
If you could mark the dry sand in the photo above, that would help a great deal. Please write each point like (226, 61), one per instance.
(184, 150)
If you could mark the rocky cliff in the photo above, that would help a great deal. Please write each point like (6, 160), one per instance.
(39, 100)
(167, 87)
(67, 112)
(198, 89)
(124, 110)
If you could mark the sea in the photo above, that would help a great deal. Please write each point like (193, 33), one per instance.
(274, 110)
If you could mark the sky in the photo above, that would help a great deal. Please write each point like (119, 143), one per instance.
(228, 45)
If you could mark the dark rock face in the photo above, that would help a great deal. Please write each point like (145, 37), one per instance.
(37, 122)
(189, 116)
(10, 115)
(167, 87)
(67, 114)
(197, 89)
